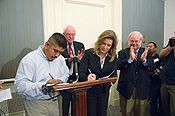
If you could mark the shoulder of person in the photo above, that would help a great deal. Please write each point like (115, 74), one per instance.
(78, 43)
(124, 50)
(157, 55)
(31, 55)
(142, 48)
(60, 58)
(90, 50)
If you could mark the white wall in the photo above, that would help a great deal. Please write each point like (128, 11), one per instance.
(169, 20)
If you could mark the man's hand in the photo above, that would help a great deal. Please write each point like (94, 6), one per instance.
(133, 56)
(144, 54)
(54, 81)
(80, 54)
(71, 58)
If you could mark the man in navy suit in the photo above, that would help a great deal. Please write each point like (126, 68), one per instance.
(135, 64)
(73, 54)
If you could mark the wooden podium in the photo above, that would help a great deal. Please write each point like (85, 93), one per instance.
(79, 91)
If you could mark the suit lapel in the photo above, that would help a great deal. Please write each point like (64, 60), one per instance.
(138, 62)
(75, 48)
(65, 53)
(106, 63)
(97, 61)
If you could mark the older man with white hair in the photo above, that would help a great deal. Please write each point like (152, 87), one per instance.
(73, 54)
(134, 63)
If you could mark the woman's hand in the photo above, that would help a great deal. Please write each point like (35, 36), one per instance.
(91, 77)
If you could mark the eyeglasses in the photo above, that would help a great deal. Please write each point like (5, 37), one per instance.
(70, 34)
(134, 41)
(172, 38)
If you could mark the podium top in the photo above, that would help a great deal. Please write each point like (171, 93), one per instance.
(67, 86)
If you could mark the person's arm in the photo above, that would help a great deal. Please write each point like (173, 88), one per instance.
(1, 82)
(149, 62)
(124, 60)
(81, 52)
(63, 69)
(83, 67)
(24, 80)
(165, 51)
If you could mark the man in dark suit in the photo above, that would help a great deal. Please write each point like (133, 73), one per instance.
(73, 54)
(135, 64)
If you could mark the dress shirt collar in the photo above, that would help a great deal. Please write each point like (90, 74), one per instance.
(40, 49)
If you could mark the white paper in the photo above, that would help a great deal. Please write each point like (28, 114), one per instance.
(8, 80)
(156, 60)
(5, 95)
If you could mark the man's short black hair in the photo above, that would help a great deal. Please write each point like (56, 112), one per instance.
(155, 45)
(58, 39)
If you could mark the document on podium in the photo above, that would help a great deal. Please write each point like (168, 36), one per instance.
(5, 95)
(108, 75)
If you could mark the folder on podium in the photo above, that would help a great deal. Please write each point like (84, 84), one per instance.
(79, 91)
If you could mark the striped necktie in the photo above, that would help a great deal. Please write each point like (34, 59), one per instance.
(71, 50)
(136, 54)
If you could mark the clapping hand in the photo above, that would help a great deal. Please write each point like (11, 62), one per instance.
(80, 54)
(144, 54)
(133, 55)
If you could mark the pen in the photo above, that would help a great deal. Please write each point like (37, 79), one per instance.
(92, 75)
(51, 76)
(111, 73)
(89, 71)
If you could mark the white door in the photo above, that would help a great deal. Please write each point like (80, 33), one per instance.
(89, 17)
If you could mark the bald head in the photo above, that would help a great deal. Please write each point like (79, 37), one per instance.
(69, 28)
(135, 39)
(70, 33)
